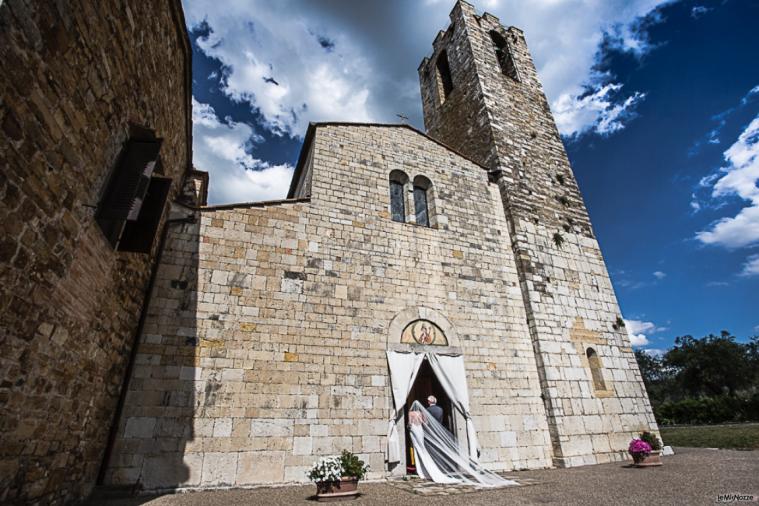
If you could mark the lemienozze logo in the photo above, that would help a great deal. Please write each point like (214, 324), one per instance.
(725, 498)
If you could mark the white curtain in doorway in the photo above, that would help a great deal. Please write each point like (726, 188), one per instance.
(452, 376)
(403, 370)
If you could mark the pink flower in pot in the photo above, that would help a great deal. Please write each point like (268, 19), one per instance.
(639, 450)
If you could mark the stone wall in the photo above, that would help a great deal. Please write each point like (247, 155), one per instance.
(75, 74)
(266, 335)
(567, 293)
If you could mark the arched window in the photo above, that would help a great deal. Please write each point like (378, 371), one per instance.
(503, 54)
(444, 80)
(595, 369)
(398, 181)
(422, 191)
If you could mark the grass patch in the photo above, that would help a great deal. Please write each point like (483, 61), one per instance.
(738, 436)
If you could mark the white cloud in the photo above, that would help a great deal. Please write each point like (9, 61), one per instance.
(655, 352)
(751, 267)
(222, 148)
(737, 178)
(639, 327)
(624, 279)
(713, 135)
(698, 11)
(564, 38)
(279, 64)
(292, 62)
(637, 330)
(594, 111)
(279, 40)
(638, 340)
(750, 95)
(694, 203)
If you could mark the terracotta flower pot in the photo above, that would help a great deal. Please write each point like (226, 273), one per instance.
(651, 460)
(346, 488)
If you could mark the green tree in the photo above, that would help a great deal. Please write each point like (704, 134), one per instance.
(752, 352)
(650, 368)
(711, 366)
(656, 377)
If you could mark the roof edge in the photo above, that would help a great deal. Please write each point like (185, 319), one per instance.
(301, 159)
(247, 205)
(177, 13)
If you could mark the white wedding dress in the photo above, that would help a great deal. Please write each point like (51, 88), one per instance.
(439, 458)
(425, 465)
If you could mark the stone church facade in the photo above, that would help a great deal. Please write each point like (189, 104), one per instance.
(267, 327)
(267, 335)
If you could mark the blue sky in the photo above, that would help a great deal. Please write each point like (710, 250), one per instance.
(658, 104)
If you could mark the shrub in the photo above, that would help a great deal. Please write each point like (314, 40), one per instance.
(651, 439)
(352, 465)
(706, 410)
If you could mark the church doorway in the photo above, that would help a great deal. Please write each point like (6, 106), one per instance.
(426, 384)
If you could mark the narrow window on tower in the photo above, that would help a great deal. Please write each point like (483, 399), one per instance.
(444, 80)
(398, 181)
(503, 54)
(595, 369)
(422, 191)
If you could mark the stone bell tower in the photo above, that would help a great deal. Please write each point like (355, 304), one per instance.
(482, 96)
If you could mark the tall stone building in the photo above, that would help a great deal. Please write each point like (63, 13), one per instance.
(460, 262)
(91, 93)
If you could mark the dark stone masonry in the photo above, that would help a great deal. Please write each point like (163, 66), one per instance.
(78, 79)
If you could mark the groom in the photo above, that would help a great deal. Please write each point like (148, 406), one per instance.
(435, 410)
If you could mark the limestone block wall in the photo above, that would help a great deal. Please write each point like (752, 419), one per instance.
(266, 336)
(566, 289)
(74, 75)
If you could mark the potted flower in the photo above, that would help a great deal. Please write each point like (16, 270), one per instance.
(646, 450)
(337, 477)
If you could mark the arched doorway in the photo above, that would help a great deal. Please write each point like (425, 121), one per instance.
(425, 357)
(426, 384)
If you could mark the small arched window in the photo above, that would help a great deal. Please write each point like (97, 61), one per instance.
(444, 80)
(503, 54)
(398, 181)
(422, 191)
(595, 369)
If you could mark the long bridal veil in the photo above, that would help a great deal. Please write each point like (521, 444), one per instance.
(438, 456)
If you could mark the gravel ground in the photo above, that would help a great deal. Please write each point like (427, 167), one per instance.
(692, 476)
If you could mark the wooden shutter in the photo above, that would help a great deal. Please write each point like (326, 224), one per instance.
(138, 235)
(130, 181)
(126, 187)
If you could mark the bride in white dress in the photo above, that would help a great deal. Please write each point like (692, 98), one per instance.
(438, 456)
